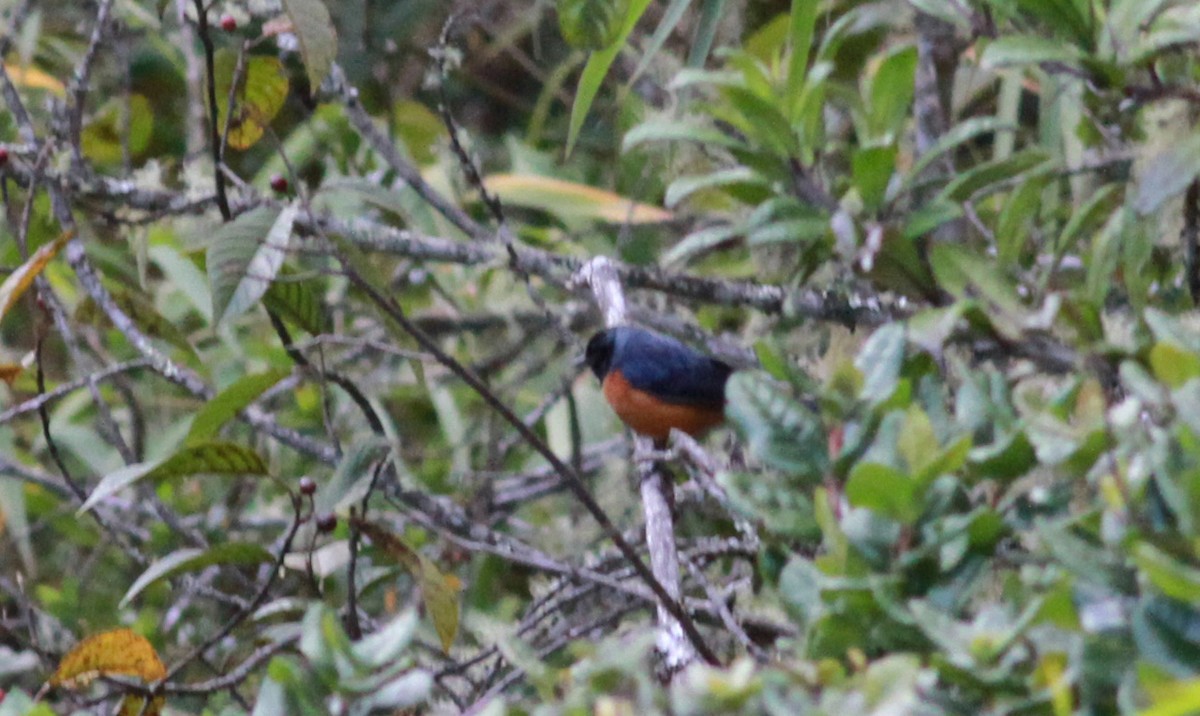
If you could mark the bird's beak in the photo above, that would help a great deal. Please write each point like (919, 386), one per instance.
(580, 362)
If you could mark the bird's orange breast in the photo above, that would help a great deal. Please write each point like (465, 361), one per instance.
(652, 416)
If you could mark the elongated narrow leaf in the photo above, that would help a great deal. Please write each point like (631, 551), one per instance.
(244, 258)
(212, 458)
(228, 402)
(664, 130)
(670, 19)
(569, 200)
(800, 35)
(711, 14)
(439, 591)
(191, 560)
(22, 278)
(595, 71)
(683, 187)
(34, 78)
(1027, 50)
(318, 38)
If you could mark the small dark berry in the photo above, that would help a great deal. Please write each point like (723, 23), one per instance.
(307, 486)
(279, 183)
(228, 24)
(327, 522)
(3, 156)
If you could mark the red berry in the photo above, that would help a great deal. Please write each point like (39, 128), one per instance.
(3, 156)
(307, 486)
(228, 24)
(279, 183)
(327, 522)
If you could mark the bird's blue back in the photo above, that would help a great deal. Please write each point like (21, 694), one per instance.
(668, 369)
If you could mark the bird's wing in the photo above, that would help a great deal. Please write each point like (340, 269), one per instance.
(672, 371)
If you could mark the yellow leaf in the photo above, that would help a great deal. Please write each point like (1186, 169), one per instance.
(18, 281)
(439, 591)
(569, 200)
(116, 652)
(260, 94)
(440, 594)
(34, 78)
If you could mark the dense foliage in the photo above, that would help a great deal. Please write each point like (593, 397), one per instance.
(295, 420)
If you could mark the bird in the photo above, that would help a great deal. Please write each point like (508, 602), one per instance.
(655, 383)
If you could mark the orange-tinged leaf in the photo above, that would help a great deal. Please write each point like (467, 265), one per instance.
(439, 591)
(568, 200)
(119, 651)
(34, 78)
(19, 281)
(9, 372)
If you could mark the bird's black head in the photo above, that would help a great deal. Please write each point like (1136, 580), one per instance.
(599, 353)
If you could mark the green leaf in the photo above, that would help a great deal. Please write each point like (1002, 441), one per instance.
(245, 256)
(947, 11)
(880, 361)
(591, 24)
(1175, 698)
(1167, 174)
(1016, 218)
(711, 14)
(191, 560)
(1170, 576)
(400, 694)
(802, 22)
(685, 186)
(670, 19)
(438, 591)
(105, 137)
(352, 479)
(1069, 18)
(918, 444)
(872, 169)
(1167, 633)
(595, 71)
(317, 35)
(386, 645)
(226, 404)
(884, 490)
(1173, 365)
(258, 98)
(892, 93)
(1020, 50)
(699, 242)
(781, 432)
(989, 174)
(760, 120)
(670, 130)
(298, 300)
(212, 458)
(962, 273)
